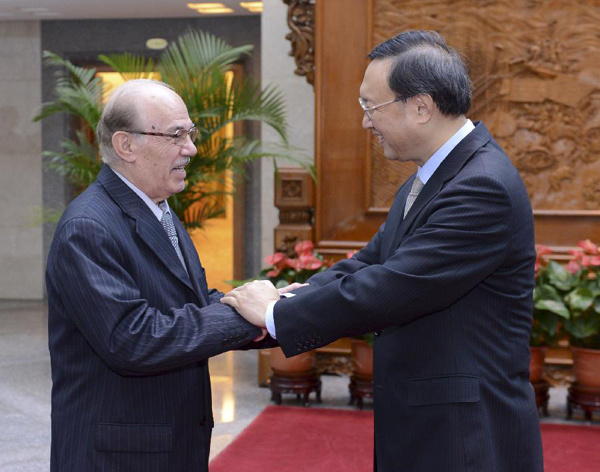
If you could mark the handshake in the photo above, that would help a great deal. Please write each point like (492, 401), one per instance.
(252, 299)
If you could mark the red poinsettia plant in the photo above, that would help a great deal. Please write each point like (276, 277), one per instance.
(567, 297)
(296, 265)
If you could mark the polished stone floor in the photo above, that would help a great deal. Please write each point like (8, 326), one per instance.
(25, 391)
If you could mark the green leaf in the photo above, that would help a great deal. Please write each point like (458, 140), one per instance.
(580, 299)
(553, 306)
(546, 292)
(129, 66)
(548, 321)
(597, 304)
(560, 277)
(583, 327)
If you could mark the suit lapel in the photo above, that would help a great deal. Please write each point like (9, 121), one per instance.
(448, 169)
(395, 218)
(148, 227)
(196, 274)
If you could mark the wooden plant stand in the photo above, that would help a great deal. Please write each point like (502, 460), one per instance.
(586, 398)
(541, 395)
(300, 383)
(360, 387)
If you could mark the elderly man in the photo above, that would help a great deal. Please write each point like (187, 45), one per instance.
(131, 321)
(446, 282)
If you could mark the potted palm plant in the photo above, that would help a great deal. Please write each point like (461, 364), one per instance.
(196, 67)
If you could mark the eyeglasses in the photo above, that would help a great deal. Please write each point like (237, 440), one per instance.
(369, 110)
(179, 136)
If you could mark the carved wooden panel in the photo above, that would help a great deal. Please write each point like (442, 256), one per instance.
(294, 196)
(535, 66)
(301, 20)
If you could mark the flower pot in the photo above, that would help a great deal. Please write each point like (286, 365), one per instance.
(586, 366)
(362, 358)
(301, 363)
(536, 364)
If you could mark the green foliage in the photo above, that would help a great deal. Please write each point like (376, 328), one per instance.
(567, 300)
(196, 67)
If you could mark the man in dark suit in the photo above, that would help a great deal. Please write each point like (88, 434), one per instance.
(446, 283)
(131, 321)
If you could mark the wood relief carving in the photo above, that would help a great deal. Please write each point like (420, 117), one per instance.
(294, 196)
(535, 67)
(301, 20)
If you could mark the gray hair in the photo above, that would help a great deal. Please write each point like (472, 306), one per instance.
(425, 64)
(121, 113)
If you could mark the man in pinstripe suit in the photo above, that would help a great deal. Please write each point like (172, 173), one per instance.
(131, 321)
(446, 282)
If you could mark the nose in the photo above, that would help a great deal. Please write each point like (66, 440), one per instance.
(189, 148)
(366, 122)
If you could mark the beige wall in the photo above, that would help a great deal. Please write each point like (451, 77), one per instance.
(278, 68)
(21, 260)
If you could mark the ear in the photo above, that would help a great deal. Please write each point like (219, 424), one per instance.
(124, 145)
(425, 108)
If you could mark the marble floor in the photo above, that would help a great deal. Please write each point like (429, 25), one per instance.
(25, 391)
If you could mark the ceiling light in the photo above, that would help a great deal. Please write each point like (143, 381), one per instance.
(253, 7)
(209, 8)
(156, 43)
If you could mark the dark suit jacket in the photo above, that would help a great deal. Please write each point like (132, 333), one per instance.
(130, 334)
(450, 288)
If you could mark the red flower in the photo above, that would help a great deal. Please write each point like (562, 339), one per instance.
(274, 272)
(588, 246)
(542, 250)
(276, 259)
(293, 263)
(304, 247)
(572, 267)
(309, 261)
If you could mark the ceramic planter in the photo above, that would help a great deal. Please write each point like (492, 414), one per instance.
(536, 364)
(586, 366)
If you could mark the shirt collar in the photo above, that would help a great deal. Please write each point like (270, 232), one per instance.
(438, 157)
(147, 200)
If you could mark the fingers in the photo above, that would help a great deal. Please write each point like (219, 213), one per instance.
(291, 287)
(262, 336)
(230, 300)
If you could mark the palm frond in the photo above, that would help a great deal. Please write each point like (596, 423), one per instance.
(196, 66)
(130, 66)
(79, 161)
(76, 75)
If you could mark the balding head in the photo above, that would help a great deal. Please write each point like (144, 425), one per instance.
(125, 112)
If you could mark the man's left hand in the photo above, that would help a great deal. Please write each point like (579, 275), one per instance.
(252, 299)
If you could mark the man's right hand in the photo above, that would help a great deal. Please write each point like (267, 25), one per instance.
(291, 288)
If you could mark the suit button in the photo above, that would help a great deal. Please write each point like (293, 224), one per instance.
(378, 333)
(202, 421)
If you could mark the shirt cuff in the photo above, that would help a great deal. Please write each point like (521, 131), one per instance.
(269, 315)
(269, 321)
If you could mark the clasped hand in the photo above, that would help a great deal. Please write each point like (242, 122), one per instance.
(252, 299)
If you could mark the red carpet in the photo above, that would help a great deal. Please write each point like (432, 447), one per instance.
(293, 439)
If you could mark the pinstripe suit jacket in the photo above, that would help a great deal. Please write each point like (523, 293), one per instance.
(130, 334)
(450, 288)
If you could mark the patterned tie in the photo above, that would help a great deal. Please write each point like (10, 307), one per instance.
(412, 196)
(167, 223)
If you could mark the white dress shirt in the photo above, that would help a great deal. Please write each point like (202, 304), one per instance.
(424, 173)
(147, 200)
